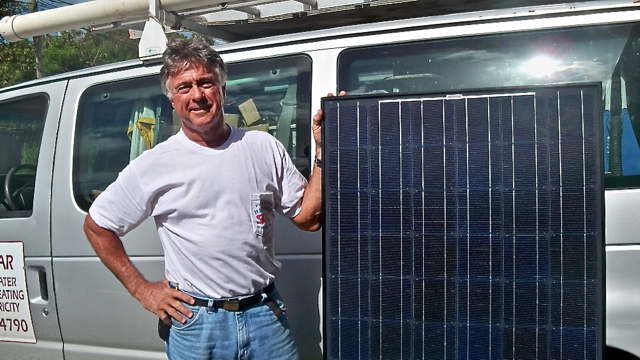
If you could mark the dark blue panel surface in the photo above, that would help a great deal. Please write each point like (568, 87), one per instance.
(464, 227)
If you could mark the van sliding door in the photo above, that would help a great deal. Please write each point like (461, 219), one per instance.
(99, 319)
(103, 121)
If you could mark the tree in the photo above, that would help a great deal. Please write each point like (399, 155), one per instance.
(75, 49)
(16, 60)
(70, 50)
(17, 63)
(11, 7)
(37, 44)
(109, 47)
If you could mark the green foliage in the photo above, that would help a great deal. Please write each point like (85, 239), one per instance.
(59, 53)
(17, 63)
(11, 7)
(29, 153)
(75, 49)
(70, 50)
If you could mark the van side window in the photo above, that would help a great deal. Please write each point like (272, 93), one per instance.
(605, 54)
(21, 126)
(118, 121)
(273, 95)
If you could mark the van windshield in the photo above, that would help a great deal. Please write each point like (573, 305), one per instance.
(605, 54)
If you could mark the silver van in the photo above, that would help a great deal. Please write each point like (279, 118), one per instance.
(64, 138)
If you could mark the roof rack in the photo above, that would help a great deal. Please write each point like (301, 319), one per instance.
(231, 20)
(102, 15)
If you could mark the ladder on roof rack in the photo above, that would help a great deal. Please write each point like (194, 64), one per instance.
(219, 18)
(103, 15)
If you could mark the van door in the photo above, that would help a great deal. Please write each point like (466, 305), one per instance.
(103, 119)
(99, 319)
(28, 127)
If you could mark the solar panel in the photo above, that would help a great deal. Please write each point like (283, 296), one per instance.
(466, 226)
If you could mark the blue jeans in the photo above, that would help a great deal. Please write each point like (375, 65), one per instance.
(254, 333)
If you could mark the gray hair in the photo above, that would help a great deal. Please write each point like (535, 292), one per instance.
(183, 53)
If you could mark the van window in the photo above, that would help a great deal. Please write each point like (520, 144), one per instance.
(120, 120)
(116, 122)
(273, 95)
(21, 126)
(605, 54)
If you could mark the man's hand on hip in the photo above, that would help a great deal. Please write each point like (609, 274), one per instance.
(164, 301)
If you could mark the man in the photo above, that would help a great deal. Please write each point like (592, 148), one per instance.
(212, 190)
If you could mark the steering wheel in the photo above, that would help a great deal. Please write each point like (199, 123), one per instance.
(21, 193)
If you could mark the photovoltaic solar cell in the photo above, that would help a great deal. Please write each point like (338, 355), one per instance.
(466, 226)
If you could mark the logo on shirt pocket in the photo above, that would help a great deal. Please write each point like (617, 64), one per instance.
(262, 212)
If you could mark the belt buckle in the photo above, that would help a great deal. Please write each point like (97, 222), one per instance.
(231, 305)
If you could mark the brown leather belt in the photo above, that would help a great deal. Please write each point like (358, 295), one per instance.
(236, 304)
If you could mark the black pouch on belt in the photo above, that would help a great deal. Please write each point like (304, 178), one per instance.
(163, 330)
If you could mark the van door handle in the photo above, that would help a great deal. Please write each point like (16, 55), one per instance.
(38, 275)
(42, 279)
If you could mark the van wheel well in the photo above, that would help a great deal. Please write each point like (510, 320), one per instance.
(612, 353)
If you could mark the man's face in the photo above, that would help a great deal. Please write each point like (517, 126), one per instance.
(197, 97)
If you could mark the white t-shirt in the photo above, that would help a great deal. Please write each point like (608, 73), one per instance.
(213, 208)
